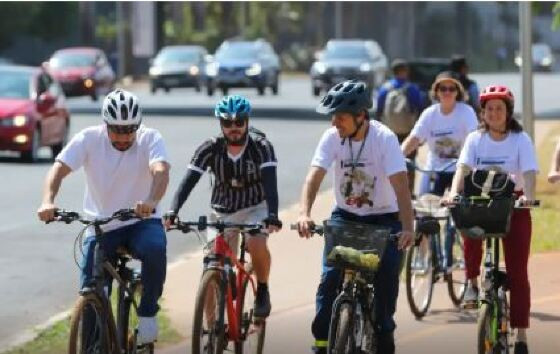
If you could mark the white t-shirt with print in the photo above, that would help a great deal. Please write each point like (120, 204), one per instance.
(114, 179)
(445, 134)
(514, 155)
(368, 190)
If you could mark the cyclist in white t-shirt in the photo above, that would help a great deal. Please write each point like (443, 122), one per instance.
(371, 187)
(125, 164)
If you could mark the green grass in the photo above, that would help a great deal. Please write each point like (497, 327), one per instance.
(546, 219)
(54, 340)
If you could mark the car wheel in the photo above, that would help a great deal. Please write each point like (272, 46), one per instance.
(94, 95)
(57, 148)
(260, 90)
(32, 155)
(225, 90)
(153, 88)
(316, 91)
(274, 87)
(210, 90)
(198, 87)
(166, 89)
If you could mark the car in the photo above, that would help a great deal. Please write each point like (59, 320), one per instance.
(33, 111)
(82, 71)
(543, 58)
(178, 66)
(423, 72)
(345, 59)
(240, 63)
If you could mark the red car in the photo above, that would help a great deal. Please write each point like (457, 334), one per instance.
(82, 71)
(33, 111)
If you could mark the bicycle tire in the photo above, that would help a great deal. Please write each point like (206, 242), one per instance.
(255, 332)
(419, 308)
(457, 278)
(104, 334)
(217, 342)
(127, 321)
(484, 330)
(340, 331)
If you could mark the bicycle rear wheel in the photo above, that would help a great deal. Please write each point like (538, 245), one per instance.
(420, 276)
(253, 328)
(92, 329)
(209, 335)
(457, 276)
(341, 340)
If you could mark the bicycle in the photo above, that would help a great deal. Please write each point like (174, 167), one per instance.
(225, 297)
(92, 325)
(353, 315)
(493, 331)
(425, 262)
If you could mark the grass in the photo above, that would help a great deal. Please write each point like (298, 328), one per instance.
(54, 339)
(546, 219)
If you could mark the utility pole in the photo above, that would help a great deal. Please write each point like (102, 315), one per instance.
(525, 44)
(338, 19)
(121, 51)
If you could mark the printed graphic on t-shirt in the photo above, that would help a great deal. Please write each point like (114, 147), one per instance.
(445, 146)
(357, 187)
(493, 162)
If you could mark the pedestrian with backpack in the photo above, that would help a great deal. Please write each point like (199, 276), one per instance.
(399, 104)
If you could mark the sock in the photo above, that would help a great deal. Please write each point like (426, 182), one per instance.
(521, 335)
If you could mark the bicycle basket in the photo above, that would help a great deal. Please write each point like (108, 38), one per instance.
(488, 183)
(481, 218)
(369, 239)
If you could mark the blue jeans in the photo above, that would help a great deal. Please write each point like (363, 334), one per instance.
(386, 279)
(146, 241)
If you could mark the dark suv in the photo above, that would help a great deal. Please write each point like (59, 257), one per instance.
(349, 59)
(423, 72)
(244, 64)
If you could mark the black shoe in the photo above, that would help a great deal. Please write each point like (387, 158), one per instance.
(262, 302)
(385, 343)
(520, 348)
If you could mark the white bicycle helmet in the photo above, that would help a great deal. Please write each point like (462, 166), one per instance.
(121, 111)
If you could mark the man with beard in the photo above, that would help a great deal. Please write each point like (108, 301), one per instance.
(126, 166)
(243, 164)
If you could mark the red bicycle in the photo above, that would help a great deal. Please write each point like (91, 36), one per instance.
(225, 298)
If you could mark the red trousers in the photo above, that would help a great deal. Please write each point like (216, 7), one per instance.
(516, 247)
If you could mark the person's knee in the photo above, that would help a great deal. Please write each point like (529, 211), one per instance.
(257, 245)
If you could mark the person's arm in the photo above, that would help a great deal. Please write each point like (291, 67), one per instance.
(399, 181)
(160, 173)
(270, 186)
(309, 193)
(458, 183)
(53, 180)
(410, 144)
(530, 184)
(554, 174)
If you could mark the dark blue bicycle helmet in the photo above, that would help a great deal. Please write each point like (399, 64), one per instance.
(233, 107)
(351, 96)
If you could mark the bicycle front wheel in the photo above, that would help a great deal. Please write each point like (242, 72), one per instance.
(341, 340)
(253, 329)
(209, 335)
(486, 330)
(420, 276)
(457, 276)
(92, 329)
(127, 319)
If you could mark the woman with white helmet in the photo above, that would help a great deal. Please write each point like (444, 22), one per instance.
(126, 166)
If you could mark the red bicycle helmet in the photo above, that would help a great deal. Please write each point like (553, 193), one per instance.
(496, 92)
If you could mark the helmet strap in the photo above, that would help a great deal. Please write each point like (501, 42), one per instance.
(358, 126)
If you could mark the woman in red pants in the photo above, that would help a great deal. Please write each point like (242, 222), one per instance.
(501, 143)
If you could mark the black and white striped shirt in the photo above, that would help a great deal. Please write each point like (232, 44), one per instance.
(237, 180)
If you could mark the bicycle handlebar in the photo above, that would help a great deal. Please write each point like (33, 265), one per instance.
(315, 229)
(412, 165)
(202, 224)
(68, 217)
(527, 204)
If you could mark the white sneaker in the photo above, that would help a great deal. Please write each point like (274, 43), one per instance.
(470, 301)
(147, 330)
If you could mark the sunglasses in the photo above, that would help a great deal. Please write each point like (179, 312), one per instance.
(228, 123)
(123, 129)
(447, 89)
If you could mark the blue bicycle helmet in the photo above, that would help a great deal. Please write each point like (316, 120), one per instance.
(233, 107)
(350, 96)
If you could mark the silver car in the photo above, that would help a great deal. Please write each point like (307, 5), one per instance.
(178, 66)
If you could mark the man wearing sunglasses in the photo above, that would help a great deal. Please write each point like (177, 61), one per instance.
(243, 164)
(125, 164)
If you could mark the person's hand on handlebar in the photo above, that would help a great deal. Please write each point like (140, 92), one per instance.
(272, 223)
(449, 199)
(305, 224)
(46, 212)
(169, 219)
(523, 201)
(405, 239)
(145, 208)
(554, 177)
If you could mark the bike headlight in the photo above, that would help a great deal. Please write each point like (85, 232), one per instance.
(254, 70)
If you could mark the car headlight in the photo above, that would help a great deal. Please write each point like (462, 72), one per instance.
(155, 71)
(365, 67)
(212, 69)
(193, 70)
(88, 83)
(254, 70)
(16, 121)
(546, 61)
(320, 68)
(518, 61)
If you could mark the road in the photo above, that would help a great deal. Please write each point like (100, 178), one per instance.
(39, 276)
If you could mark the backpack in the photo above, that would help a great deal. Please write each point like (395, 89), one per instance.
(398, 114)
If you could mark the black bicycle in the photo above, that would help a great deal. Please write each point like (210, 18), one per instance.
(425, 261)
(484, 218)
(357, 249)
(93, 329)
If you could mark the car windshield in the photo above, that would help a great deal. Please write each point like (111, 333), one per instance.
(176, 56)
(73, 60)
(541, 51)
(14, 84)
(346, 52)
(237, 51)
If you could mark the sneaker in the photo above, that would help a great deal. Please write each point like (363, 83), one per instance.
(147, 330)
(470, 301)
(520, 348)
(262, 302)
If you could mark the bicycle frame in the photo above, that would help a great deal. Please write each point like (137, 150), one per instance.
(224, 256)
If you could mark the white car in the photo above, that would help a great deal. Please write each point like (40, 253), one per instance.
(543, 58)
